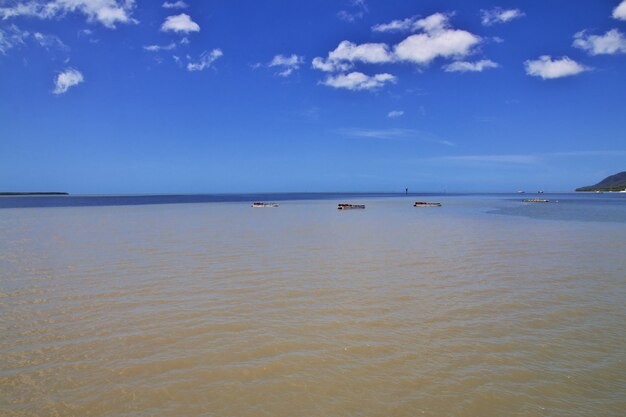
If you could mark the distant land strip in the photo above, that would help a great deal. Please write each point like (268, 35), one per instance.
(35, 193)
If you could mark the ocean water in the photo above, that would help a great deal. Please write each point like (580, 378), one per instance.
(486, 306)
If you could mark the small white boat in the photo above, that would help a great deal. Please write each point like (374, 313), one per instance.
(350, 206)
(426, 204)
(259, 204)
(536, 200)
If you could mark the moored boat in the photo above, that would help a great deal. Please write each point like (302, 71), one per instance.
(259, 204)
(426, 204)
(536, 200)
(350, 206)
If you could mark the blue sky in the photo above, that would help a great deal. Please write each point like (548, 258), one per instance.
(112, 96)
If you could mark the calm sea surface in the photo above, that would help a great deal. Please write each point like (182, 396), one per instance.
(484, 307)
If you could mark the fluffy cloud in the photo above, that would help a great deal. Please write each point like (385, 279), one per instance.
(107, 12)
(620, 11)
(499, 15)
(358, 81)
(394, 114)
(347, 53)
(206, 60)
(157, 48)
(180, 23)
(175, 5)
(464, 66)
(437, 40)
(287, 64)
(612, 42)
(66, 79)
(547, 68)
(403, 25)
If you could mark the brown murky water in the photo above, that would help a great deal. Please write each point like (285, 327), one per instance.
(222, 310)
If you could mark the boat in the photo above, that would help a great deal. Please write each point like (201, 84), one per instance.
(536, 200)
(259, 204)
(521, 192)
(426, 204)
(350, 206)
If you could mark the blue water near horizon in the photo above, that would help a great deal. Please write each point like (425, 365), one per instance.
(142, 199)
(588, 207)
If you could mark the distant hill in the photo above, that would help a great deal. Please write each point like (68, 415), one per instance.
(615, 182)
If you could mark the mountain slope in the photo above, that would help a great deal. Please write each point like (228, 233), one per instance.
(615, 182)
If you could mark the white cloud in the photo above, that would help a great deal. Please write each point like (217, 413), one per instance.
(357, 11)
(394, 134)
(11, 37)
(49, 41)
(66, 79)
(394, 114)
(612, 42)
(180, 23)
(347, 53)
(437, 40)
(493, 159)
(107, 12)
(620, 11)
(175, 5)
(403, 25)
(157, 48)
(465, 66)
(358, 81)
(547, 68)
(499, 15)
(206, 60)
(287, 64)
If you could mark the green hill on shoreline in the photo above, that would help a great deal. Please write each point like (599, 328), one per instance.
(615, 182)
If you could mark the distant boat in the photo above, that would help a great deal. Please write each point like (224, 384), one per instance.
(521, 192)
(259, 204)
(536, 200)
(350, 206)
(425, 204)
(540, 192)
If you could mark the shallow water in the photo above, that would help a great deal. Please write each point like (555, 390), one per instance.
(218, 310)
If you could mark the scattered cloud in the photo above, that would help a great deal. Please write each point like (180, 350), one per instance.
(620, 11)
(400, 25)
(357, 81)
(357, 10)
(157, 48)
(394, 114)
(66, 79)
(525, 159)
(12, 37)
(494, 159)
(180, 23)
(347, 53)
(465, 66)
(205, 61)
(612, 42)
(500, 15)
(393, 134)
(286, 64)
(175, 5)
(437, 40)
(547, 68)
(107, 12)
(49, 41)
